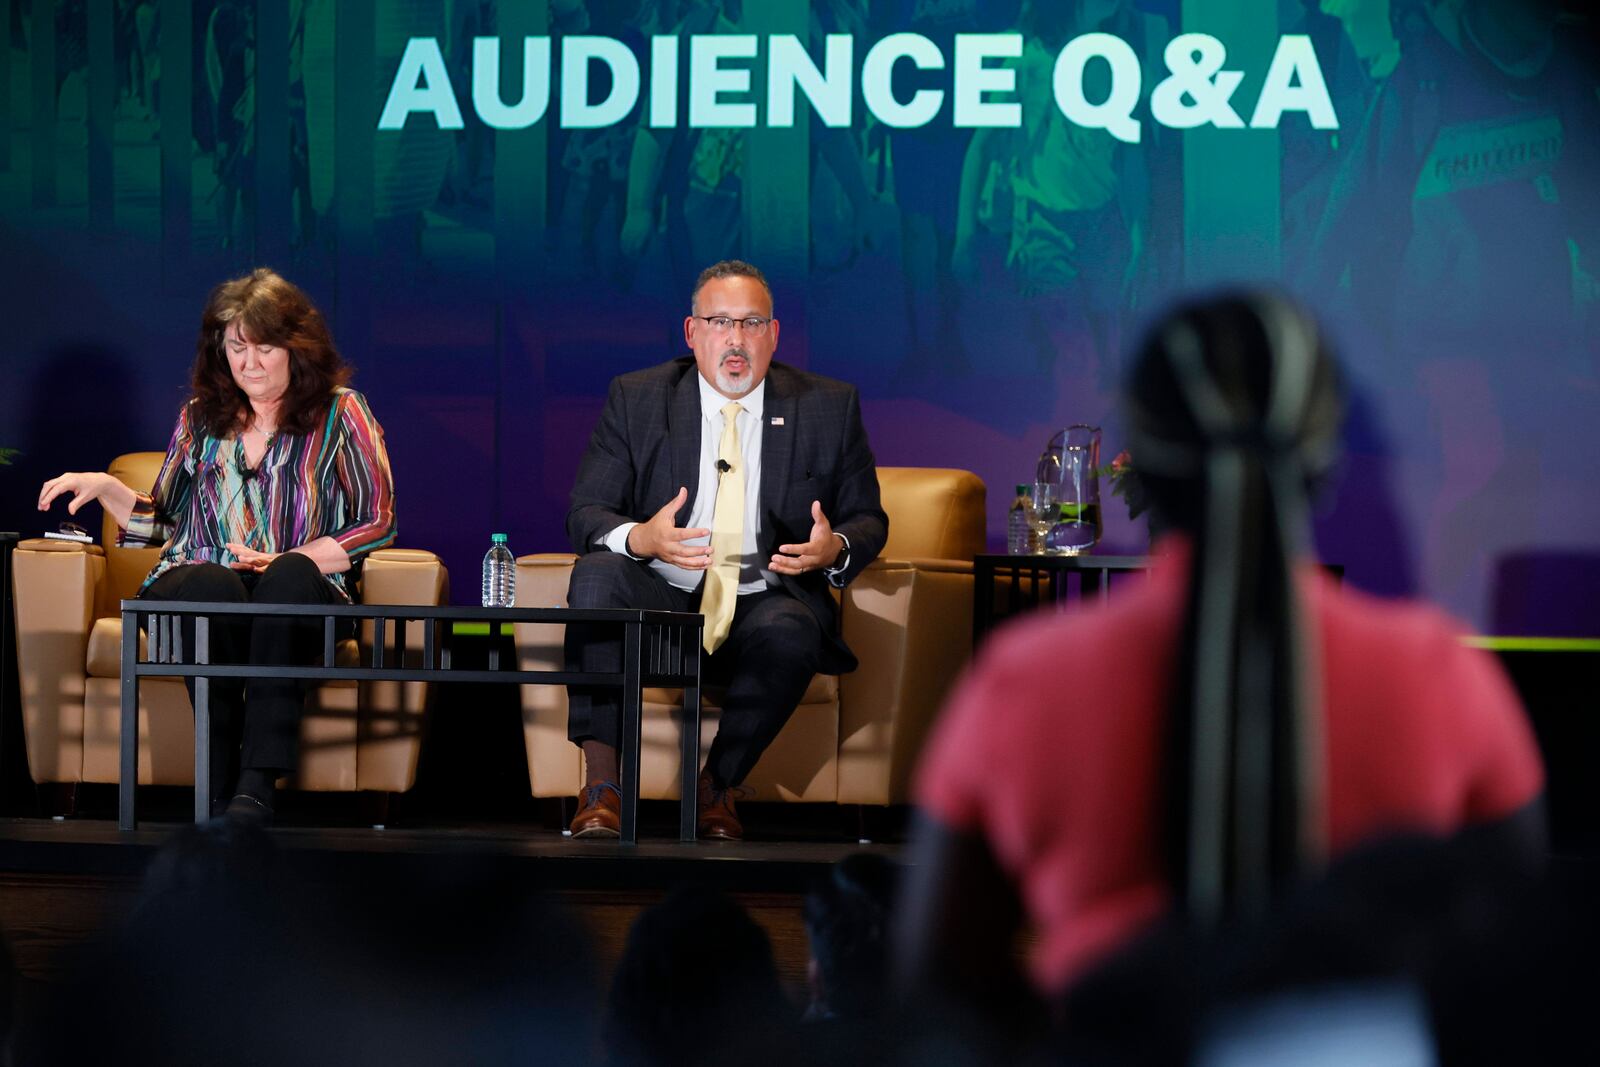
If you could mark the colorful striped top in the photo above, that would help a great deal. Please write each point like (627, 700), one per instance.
(331, 483)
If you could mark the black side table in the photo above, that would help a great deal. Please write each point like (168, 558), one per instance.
(1004, 585)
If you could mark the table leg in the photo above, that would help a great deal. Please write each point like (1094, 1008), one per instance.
(632, 728)
(128, 774)
(982, 602)
(202, 722)
(689, 771)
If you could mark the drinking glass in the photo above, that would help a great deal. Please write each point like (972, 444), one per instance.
(1046, 483)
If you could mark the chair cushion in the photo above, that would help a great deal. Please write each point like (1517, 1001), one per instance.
(407, 555)
(48, 544)
(105, 648)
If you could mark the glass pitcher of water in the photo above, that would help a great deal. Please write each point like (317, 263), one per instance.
(1073, 457)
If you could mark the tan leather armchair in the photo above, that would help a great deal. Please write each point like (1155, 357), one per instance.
(854, 739)
(364, 736)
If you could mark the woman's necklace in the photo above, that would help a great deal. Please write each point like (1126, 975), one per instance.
(248, 461)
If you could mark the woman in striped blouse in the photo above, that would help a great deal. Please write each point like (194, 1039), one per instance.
(275, 485)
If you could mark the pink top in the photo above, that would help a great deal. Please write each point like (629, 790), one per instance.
(1051, 745)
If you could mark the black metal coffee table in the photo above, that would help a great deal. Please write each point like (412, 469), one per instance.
(660, 648)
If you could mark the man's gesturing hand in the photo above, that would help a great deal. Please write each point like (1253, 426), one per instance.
(660, 539)
(817, 553)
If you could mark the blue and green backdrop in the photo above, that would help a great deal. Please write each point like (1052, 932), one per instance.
(970, 208)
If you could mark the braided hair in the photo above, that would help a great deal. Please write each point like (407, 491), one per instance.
(1233, 408)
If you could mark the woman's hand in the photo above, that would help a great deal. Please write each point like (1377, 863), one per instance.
(248, 559)
(85, 486)
(329, 556)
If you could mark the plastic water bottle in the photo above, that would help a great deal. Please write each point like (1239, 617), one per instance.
(1019, 524)
(499, 575)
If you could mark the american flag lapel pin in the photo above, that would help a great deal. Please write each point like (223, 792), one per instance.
(777, 420)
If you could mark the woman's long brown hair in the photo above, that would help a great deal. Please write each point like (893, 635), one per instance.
(269, 310)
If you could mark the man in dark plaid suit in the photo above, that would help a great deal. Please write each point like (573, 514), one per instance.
(642, 517)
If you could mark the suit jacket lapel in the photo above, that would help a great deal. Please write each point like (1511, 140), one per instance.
(777, 441)
(683, 436)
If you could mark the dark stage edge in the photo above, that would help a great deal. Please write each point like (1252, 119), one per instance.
(96, 848)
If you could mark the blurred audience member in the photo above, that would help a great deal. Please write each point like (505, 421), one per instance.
(1204, 741)
(236, 953)
(847, 919)
(696, 985)
(847, 913)
(1411, 949)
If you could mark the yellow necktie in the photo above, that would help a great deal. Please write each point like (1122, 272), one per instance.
(727, 535)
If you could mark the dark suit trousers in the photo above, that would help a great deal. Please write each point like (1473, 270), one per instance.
(255, 724)
(766, 663)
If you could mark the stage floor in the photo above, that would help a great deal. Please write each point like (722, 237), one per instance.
(95, 846)
(62, 881)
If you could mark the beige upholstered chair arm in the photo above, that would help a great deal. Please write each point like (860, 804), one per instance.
(542, 583)
(55, 584)
(404, 576)
(546, 569)
(554, 765)
(910, 624)
(391, 714)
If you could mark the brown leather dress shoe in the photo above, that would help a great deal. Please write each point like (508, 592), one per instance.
(599, 811)
(718, 821)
